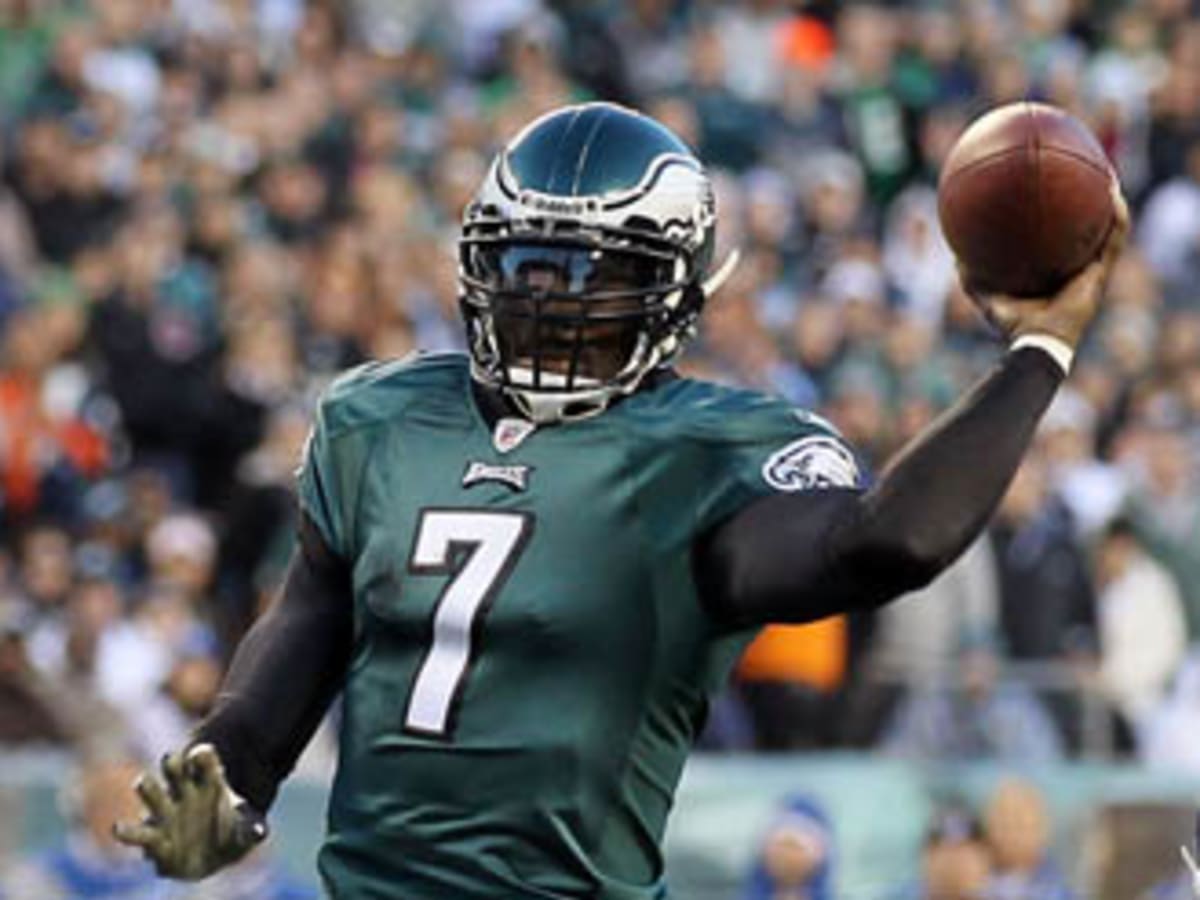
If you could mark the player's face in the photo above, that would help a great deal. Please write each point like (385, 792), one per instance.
(568, 310)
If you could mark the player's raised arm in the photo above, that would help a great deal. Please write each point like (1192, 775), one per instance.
(208, 807)
(801, 556)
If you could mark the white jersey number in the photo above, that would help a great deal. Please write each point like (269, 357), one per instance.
(491, 542)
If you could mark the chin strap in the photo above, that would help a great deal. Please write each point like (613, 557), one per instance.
(546, 409)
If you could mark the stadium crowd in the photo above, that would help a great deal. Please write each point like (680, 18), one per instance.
(210, 207)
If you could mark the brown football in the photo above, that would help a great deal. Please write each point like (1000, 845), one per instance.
(1024, 199)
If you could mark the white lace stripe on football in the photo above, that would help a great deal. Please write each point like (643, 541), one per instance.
(810, 463)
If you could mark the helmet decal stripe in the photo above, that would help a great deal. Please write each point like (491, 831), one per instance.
(584, 153)
(561, 155)
(505, 178)
(653, 174)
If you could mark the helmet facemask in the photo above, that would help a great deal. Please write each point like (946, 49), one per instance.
(563, 319)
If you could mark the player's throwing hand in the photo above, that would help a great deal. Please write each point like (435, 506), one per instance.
(195, 823)
(1067, 314)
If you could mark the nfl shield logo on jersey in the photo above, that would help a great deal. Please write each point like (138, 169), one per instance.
(820, 461)
(509, 433)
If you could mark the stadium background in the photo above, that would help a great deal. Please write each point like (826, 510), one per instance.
(209, 207)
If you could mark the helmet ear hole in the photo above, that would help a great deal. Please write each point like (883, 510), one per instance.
(643, 223)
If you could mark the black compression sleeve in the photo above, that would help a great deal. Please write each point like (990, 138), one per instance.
(798, 557)
(284, 675)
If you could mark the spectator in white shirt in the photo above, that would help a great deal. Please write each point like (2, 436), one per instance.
(1143, 634)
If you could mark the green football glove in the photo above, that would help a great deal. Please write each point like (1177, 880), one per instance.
(196, 824)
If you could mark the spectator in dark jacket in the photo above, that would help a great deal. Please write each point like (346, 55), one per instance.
(1047, 599)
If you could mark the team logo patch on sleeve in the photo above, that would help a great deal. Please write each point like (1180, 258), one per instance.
(812, 462)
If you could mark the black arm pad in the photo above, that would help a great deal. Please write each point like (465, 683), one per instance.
(285, 673)
(802, 556)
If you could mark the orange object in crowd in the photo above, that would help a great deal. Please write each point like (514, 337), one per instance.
(30, 440)
(812, 654)
(805, 41)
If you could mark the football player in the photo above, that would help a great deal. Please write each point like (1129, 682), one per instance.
(527, 568)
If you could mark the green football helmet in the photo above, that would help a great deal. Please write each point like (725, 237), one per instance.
(584, 259)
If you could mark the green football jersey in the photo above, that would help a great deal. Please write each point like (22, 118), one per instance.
(531, 660)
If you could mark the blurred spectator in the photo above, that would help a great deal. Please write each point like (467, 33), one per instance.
(1120, 82)
(916, 258)
(804, 119)
(166, 719)
(916, 641)
(868, 37)
(1169, 230)
(742, 347)
(1143, 635)
(1165, 512)
(1168, 737)
(47, 449)
(1017, 829)
(1092, 490)
(1047, 600)
(107, 658)
(17, 251)
(45, 569)
(1046, 594)
(974, 714)
(61, 183)
(919, 637)
(89, 862)
(796, 861)
(181, 551)
(955, 864)
(729, 124)
(26, 717)
(749, 35)
(648, 33)
(835, 212)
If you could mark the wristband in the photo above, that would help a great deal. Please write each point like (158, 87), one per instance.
(1058, 349)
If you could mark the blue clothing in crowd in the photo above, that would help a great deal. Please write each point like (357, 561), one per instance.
(803, 813)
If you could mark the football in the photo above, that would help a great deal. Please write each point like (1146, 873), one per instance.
(1025, 199)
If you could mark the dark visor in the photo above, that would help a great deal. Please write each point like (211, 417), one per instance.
(574, 271)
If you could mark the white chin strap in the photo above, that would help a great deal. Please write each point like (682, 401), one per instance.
(588, 399)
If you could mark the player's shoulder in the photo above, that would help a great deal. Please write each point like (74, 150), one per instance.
(792, 449)
(380, 391)
(707, 411)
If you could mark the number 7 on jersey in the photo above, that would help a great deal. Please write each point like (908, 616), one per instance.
(492, 541)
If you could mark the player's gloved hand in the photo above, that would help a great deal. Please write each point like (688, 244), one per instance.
(195, 824)
(1066, 315)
